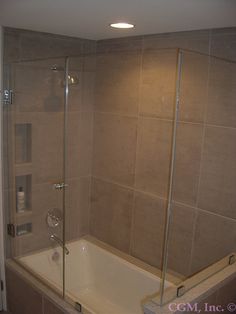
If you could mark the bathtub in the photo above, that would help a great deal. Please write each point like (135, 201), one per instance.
(99, 278)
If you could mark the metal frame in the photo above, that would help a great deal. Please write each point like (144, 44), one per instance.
(2, 228)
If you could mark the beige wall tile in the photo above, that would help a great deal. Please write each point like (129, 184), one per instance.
(51, 308)
(42, 45)
(79, 144)
(193, 87)
(77, 207)
(158, 83)
(114, 147)
(227, 293)
(120, 44)
(11, 45)
(222, 91)
(110, 217)
(214, 239)
(22, 298)
(180, 240)
(192, 40)
(218, 173)
(117, 82)
(187, 163)
(223, 43)
(47, 147)
(44, 198)
(37, 87)
(148, 229)
(153, 156)
(208, 301)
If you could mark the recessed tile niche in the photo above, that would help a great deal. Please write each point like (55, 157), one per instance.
(23, 143)
(24, 182)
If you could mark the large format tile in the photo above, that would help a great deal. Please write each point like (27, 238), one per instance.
(42, 45)
(11, 45)
(214, 239)
(148, 229)
(187, 163)
(37, 87)
(117, 82)
(51, 308)
(44, 198)
(218, 172)
(110, 216)
(47, 147)
(79, 144)
(223, 43)
(114, 147)
(158, 83)
(227, 294)
(180, 241)
(127, 44)
(191, 40)
(22, 298)
(193, 87)
(221, 108)
(77, 207)
(153, 156)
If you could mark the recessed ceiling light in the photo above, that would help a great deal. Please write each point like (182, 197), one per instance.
(122, 25)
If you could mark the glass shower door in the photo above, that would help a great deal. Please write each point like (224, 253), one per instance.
(34, 125)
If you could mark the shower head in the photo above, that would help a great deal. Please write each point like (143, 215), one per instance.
(72, 79)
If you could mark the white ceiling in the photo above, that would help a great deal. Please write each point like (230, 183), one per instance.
(90, 18)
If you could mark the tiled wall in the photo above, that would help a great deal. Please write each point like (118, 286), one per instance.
(39, 102)
(133, 120)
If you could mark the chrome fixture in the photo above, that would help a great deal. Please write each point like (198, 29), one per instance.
(72, 79)
(59, 186)
(54, 218)
(53, 237)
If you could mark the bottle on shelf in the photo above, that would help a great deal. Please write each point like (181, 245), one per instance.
(20, 200)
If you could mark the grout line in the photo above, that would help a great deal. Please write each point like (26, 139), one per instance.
(162, 198)
(206, 211)
(129, 187)
(144, 116)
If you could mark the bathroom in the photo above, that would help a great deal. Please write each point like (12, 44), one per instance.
(118, 154)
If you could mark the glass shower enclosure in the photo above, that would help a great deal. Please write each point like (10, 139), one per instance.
(126, 148)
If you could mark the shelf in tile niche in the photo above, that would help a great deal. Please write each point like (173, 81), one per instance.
(23, 169)
(23, 134)
(26, 213)
(23, 229)
(23, 193)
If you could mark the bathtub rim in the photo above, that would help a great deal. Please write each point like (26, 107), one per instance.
(70, 297)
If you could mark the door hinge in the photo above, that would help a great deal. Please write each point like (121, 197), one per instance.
(11, 230)
(8, 97)
(2, 285)
(78, 307)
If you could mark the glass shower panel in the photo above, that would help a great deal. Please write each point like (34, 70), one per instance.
(202, 223)
(34, 142)
(120, 126)
(79, 116)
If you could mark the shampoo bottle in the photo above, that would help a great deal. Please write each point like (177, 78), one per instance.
(20, 200)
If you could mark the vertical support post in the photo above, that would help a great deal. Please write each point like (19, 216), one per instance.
(66, 95)
(2, 227)
(171, 177)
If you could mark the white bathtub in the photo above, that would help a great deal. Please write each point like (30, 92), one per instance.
(100, 280)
